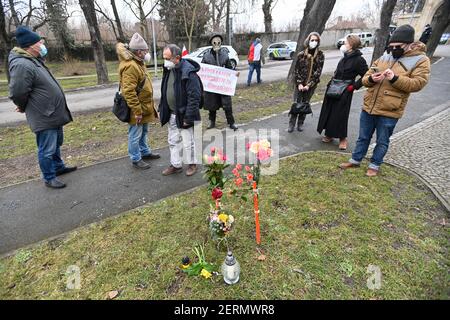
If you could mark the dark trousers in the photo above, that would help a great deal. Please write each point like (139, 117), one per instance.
(228, 115)
(49, 144)
(300, 97)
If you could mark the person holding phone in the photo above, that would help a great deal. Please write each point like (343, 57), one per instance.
(335, 111)
(403, 69)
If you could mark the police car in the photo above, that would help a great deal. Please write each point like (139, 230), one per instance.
(282, 50)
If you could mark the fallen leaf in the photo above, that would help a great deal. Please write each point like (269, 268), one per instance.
(262, 258)
(113, 294)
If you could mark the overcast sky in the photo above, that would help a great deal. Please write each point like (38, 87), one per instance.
(286, 12)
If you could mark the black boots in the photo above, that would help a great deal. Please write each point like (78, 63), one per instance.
(228, 115)
(292, 120)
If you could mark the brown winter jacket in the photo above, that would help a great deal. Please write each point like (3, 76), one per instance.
(131, 73)
(389, 98)
(303, 72)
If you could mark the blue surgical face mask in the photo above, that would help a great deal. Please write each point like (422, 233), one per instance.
(43, 51)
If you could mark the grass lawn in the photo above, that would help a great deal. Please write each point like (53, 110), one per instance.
(321, 229)
(99, 136)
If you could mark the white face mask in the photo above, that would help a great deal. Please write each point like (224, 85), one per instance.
(313, 44)
(216, 44)
(343, 49)
(147, 58)
(169, 64)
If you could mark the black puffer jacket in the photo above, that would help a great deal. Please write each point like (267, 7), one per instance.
(188, 94)
(214, 101)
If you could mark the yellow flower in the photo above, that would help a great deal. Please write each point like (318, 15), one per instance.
(206, 274)
(223, 217)
(254, 148)
(264, 144)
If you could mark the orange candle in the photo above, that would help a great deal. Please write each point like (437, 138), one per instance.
(256, 208)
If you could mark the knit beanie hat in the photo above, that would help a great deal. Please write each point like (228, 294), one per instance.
(138, 43)
(403, 34)
(25, 37)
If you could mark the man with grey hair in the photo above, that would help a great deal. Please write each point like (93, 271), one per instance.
(181, 100)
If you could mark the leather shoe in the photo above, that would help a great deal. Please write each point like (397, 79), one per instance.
(192, 169)
(151, 156)
(141, 165)
(55, 184)
(233, 127)
(372, 173)
(348, 165)
(171, 170)
(66, 170)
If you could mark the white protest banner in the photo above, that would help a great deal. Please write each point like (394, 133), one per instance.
(218, 80)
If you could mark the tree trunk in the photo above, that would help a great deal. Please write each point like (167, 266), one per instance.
(440, 23)
(5, 40)
(315, 17)
(228, 29)
(267, 10)
(58, 25)
(382, 34)
(14, 16)
(121, 37)
(88, 8)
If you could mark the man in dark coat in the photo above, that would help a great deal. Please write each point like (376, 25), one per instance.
(35, 92)
(181, 99)
(218, 56)
(426, 35)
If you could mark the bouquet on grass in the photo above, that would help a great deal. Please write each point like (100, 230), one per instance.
(220, 223)
(215, 164)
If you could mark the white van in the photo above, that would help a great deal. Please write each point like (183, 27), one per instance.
(367, 39)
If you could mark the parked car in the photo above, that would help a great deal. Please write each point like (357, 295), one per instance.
(445, 37)
(198, 54)
(282, 50)
(367, 39)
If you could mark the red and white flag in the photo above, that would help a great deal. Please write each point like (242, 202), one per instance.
(185, 52)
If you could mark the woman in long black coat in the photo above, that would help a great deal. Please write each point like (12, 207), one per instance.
(218, 56)
(335, 112)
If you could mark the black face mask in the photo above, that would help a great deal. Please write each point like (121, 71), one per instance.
(397, 51)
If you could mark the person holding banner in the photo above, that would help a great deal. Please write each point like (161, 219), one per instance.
(218, 56)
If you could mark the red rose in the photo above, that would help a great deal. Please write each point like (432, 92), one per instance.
(217, 193)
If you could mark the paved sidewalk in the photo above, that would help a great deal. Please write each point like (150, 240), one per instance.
(425, 149)
(29, 212)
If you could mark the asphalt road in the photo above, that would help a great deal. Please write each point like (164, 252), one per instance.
(95, 99)
(29, 212)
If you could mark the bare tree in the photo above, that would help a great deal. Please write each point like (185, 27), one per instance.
(189, 23)
(440, 23)
(5, 38)
(267, 8)
(138, 8)
(88, 8)
(58, 15)
(218, 13)
(315, 17)
(382, 34)
(122, 36)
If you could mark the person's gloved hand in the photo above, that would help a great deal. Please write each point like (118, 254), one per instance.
(350, 88)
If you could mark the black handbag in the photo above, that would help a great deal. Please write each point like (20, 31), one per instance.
(120, 108)
(301, 107)
(337, 88)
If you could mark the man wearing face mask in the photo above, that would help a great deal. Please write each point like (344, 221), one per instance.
(35, 92)
(181, 100)
(404, 69)
(137, 90)
(218, 56)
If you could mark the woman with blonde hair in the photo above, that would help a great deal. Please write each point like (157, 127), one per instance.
(338, 98)
(308, 70)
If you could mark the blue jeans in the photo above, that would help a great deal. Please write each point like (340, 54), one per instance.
(252, 67)
(367, 125)
(137, 142)
(49, 143)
